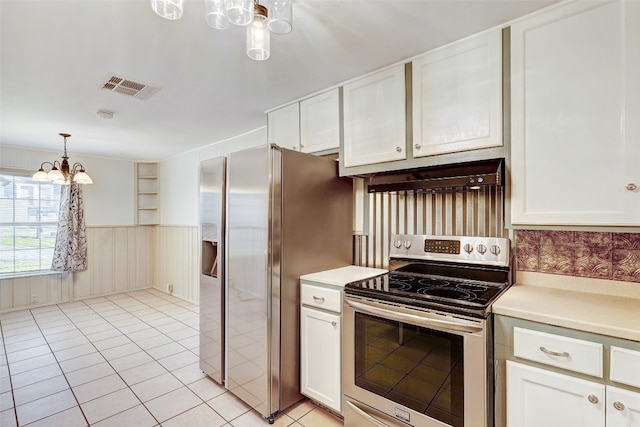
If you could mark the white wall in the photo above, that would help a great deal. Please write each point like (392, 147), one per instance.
(109, 201)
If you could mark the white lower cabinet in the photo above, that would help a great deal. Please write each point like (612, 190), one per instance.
(623, 408)
(320, 352)
(538, 397)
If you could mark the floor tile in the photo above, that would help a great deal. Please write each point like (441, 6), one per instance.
(300, 409)
(32, 363)
(22, 345)
(318, 417)
(153, 342)
(116, 341)
(35, 375)
(165, 350)
(103, 335)
(6, 401)
(71, 417)
(40, 389)
(156, 386)
(90, 373)
(120, 351)
(28, 353)
(98, 388)
(131, 361)
(228, 406)
(8, 418)
(189, 374)
(173, 403)
(142, 373)
(178, 360)
(45, 407)
(109, 405)
(68, 343)
(73, 352)
(206, 388)
(81, 362)
(200, 416)
(137, 416)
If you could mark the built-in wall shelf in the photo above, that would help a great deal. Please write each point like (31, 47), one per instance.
(147, 202)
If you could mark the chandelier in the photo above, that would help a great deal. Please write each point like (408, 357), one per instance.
(260, 20)
(61, 173)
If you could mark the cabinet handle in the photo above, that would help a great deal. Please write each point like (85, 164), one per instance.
(399, 149)
(554, 353)
(318, 299)
(631, 186)
(301, 146)
(417, 146)
(618, 405)
(293, 147)
(593, 398)
(334, 324)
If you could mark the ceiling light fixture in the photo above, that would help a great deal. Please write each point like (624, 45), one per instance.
(61, 173)
(276, 18)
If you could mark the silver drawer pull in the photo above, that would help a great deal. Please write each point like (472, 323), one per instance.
(618, 405)
(593, 399)
(631, 186)
(318, 299)
(554, 353)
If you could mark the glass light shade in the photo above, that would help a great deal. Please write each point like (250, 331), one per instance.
(41, 175)
(215, 13)
(240, 12)
(82, 178)
(258, 37)
(169, 9)
(55, 175)
(280, 16)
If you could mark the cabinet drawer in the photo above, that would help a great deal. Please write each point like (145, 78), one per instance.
(624, 366)
(556, 350)
(325, 298)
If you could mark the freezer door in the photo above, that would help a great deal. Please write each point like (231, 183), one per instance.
(248, 286)
(212, 231)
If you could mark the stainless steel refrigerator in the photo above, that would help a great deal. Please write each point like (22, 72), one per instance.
(288, 214)
(212, 230)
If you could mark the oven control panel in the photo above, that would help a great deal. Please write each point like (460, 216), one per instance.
(464, 249)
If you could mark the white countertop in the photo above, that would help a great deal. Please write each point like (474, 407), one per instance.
(343, 275)
(598, 306)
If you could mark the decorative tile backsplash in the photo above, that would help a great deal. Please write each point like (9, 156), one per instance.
(613, 256)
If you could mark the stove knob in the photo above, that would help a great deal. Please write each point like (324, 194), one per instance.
(495, 249)
(481, 249)
(407, 244)
(468, 248)
(397, 243)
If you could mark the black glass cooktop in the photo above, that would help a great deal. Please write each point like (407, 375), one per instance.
(428, 290)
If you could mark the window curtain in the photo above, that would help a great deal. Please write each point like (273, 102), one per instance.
(70, 252)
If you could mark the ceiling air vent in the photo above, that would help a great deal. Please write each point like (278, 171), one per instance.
(129, 87)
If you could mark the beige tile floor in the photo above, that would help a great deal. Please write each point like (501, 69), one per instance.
(122, 360)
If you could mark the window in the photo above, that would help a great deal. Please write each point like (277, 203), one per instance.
(28, 222)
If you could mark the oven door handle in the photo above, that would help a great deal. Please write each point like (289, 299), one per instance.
(366, 416)
(422, 319)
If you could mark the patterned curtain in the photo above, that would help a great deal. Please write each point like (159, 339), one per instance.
(70, 253)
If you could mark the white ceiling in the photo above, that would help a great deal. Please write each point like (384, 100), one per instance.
(56, 55)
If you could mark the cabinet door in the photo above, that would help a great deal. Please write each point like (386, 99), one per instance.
(320, 353)
(623, 408)
(374, 118)
(457, 96)
(537, 397)
(283, 127)
(575, 106)
(320, 122)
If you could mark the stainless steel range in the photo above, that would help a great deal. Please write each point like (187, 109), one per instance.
(418, 340)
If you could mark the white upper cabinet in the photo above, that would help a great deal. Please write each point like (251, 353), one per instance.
(320, 122)
(575, 96)
(283, 127)
(374, 118)
(457, 96)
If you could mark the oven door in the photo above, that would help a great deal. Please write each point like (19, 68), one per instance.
(414, 367)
